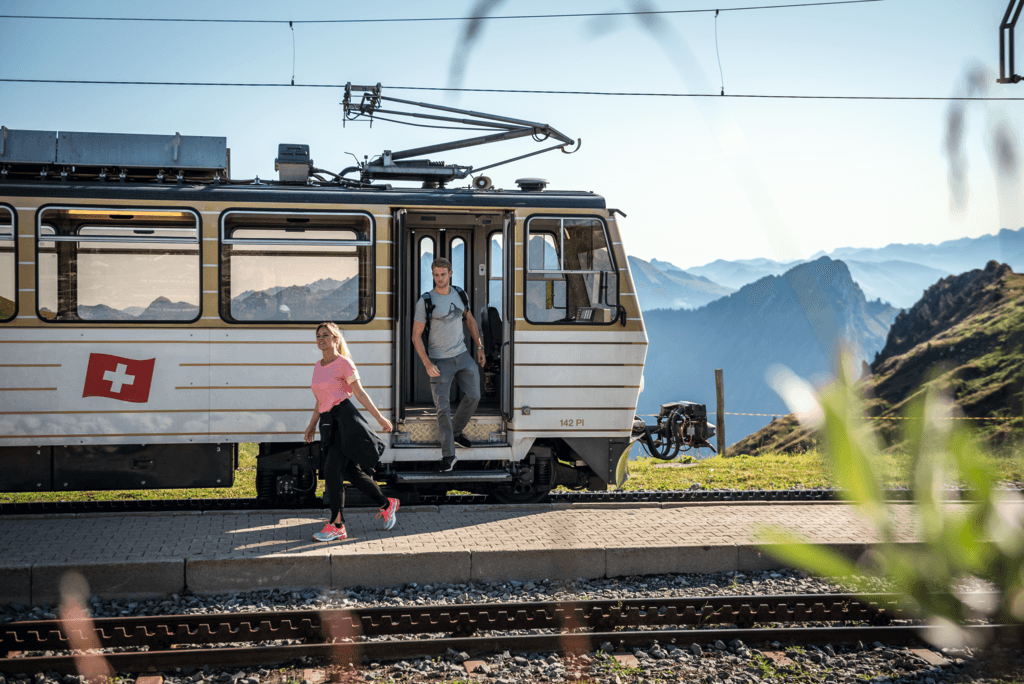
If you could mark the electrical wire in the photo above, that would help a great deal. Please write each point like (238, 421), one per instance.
(521, 92)
(720, 75)
(418, 19)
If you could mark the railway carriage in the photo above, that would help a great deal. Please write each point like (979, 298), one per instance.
(155, 314)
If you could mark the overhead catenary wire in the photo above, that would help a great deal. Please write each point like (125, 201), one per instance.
(512, 91)
(381, 20)
(718, 55)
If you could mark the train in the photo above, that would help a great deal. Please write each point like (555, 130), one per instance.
(155, 314)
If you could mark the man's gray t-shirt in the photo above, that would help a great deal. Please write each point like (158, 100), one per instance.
(447, 339)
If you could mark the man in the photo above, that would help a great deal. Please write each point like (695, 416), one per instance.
(446, 358)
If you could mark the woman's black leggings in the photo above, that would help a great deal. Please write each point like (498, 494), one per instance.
(336, 471)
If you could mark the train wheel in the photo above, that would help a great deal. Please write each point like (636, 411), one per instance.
(517, 494)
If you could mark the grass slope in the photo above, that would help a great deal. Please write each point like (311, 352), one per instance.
(966, 337)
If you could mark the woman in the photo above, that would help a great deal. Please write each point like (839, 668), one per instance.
(352, 447)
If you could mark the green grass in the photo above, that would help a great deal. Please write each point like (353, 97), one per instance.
(770, 471)
(243, 488)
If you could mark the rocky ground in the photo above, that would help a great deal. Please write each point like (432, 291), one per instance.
(729, 662)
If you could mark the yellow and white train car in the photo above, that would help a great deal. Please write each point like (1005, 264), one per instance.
(155, 314)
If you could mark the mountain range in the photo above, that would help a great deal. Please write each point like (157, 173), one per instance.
(896, 273)
(796, 319)
(160, 309)
(965, 336)
(318, 301)
(660, 285)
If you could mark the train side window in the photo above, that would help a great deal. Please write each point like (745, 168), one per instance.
(296, 267)
(427, 255)
(494, 271)
(8, 264)
(571, 276)
(117, 265)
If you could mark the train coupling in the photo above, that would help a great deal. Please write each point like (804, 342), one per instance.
(681, 426)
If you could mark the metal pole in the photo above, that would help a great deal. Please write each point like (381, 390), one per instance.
(720, 397)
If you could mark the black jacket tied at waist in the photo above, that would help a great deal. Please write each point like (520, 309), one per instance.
(344, 428)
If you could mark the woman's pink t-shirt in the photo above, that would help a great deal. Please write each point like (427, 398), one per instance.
(331, 382)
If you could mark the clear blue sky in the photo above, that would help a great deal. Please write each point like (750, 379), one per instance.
(699, 179)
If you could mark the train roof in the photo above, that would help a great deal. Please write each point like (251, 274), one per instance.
(318, 194)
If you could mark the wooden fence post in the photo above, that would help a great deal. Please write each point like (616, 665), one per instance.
(720, 397)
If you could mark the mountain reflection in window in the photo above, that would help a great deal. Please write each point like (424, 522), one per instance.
(143, 268)
(297, 267)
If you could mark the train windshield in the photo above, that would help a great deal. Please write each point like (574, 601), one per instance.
(571, 276)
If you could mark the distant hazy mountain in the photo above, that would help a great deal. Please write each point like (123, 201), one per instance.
(102, 312)
(322, 285)
(671, 287)
(669, 268)
(952, 256)
(796, 319)
(300, 303)
(160, 309)
(736, 274)
(898, 282)
(163, 309)
(896, 273)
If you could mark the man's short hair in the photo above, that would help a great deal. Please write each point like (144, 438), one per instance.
(441, 262)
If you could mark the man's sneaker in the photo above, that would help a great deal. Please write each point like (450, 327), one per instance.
(463, 441)
(389, 513)
(448, 464)
(331, 533)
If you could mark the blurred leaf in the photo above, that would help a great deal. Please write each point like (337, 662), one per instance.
(799, 552)
(980, 538)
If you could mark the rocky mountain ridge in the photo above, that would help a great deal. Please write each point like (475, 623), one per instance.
(797, 319)
(965, 336)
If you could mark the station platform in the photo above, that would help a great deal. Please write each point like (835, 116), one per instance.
(158, 554)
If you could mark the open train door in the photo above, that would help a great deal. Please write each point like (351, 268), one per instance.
(401, 346)
(508, 314)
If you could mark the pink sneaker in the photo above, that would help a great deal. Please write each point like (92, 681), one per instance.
(330, 533)
(389, 513)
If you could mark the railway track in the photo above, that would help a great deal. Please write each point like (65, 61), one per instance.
(162, 643)
(695, 496)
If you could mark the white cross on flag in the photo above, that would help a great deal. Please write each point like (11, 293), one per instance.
(116, 377)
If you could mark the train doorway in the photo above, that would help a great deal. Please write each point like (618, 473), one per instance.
(473, 243)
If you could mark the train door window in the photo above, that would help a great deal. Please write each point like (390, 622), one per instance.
(118, 265)
(494, 271)
(427, 252)
(457, 249)
(571, 276)
(304, 267)
(8, 264)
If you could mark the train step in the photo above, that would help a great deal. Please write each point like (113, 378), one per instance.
(456, 476)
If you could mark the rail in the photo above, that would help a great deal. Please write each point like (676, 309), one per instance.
(405, 632)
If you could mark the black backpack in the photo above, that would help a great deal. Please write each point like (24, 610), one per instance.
(429, 304)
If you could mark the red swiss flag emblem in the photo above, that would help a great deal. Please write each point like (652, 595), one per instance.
(116, 377)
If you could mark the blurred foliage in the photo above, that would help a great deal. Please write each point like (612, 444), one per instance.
(982, 539)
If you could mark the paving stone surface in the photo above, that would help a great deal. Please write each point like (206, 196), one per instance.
(619, 536)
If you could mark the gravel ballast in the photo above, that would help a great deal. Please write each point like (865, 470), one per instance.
(731, 662)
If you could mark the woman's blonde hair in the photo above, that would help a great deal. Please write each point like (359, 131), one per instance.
(339, 346)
